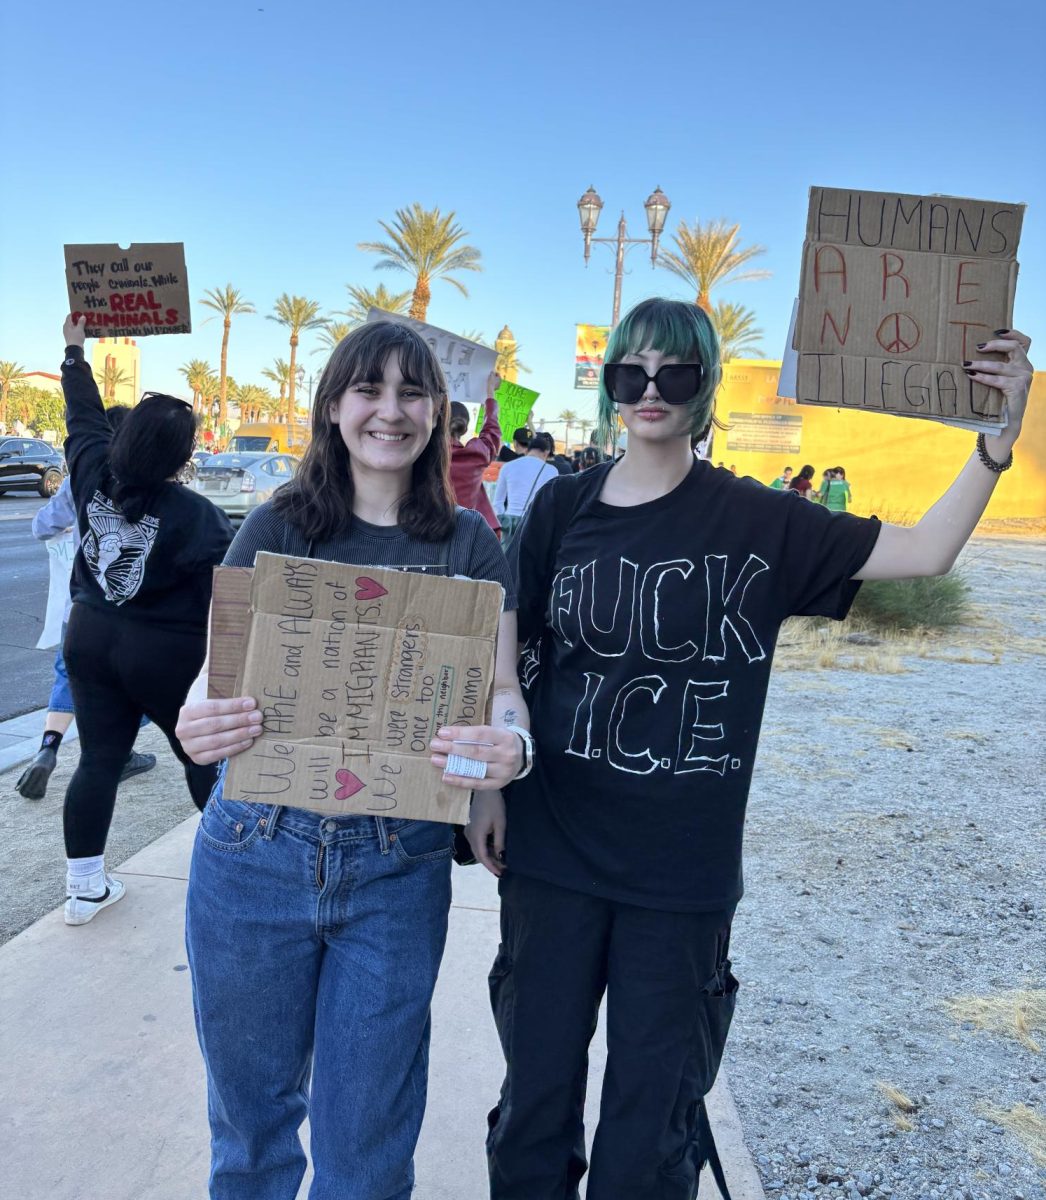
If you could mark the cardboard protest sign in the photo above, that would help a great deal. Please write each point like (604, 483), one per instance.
(61, 550)
(465, 364)
(134, 292)
(515, 403)
(354, 669)
(895, 293)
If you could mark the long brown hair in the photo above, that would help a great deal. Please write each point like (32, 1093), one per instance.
(318, 501)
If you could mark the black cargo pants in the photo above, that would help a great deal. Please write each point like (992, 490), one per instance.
(670, 997)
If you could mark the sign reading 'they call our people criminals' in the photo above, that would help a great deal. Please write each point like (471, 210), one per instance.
(132, 292)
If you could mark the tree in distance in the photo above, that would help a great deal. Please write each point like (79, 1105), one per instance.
(331, 334)
(708, 255)
(252, 400)
(735, 328)
(110, 378)
(197, 374)
(568, 417)
(296, 314)
(229, 303)
(9, 372)
(280, 374)
(362, 300)
(428, 246)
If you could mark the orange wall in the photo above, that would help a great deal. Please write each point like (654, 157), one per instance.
(893, 464)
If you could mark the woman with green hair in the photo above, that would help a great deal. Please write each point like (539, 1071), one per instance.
(651, 591)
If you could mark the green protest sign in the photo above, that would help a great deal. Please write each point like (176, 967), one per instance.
(514, 406)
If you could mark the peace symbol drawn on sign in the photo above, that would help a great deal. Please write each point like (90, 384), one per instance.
(898, 333)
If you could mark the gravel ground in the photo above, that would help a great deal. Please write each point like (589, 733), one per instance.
(894, 859)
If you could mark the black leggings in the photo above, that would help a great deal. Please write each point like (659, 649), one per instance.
(120, 668)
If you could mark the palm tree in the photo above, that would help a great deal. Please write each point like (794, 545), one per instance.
(508, 363)
(585, 424)
(425, 244)
(296, 314)
(196, 372)
(708, 255)
(735, 328)
(364, 299)
(209, 390)
(568, 417)
(271, 406)
(229, 303)
(280, 375)
(9, 372)
(331, 334)
(112, 377)
(251, 399)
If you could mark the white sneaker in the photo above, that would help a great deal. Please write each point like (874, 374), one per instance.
(89, 895)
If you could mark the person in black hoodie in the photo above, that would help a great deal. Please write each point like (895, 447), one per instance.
(141, 590)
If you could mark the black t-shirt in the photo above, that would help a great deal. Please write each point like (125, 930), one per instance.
(646, 693)
(507, 454)
(158, 569)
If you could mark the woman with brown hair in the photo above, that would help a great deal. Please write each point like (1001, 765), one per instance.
(314, 940)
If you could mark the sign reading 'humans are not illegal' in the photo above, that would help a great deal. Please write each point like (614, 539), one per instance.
(896, 292)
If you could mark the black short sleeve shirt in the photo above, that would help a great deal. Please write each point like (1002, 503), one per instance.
(649, 634)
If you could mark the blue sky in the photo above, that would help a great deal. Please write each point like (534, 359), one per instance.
(271, 136)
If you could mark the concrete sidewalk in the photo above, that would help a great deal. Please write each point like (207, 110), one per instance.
(20, 738)
(103, 1085)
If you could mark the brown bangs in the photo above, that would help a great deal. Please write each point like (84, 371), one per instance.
(319, 499)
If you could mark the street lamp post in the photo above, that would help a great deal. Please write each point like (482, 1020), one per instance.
(589, 208)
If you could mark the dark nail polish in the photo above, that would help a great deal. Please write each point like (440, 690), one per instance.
(966, 362)
(969, 371)
(1002, 331)
(981, 345)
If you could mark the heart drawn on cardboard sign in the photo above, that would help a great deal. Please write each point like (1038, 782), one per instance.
(350, 784)
(369, 589)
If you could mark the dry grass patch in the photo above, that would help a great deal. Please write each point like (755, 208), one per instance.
(1027, 1124)
(1017, 1014)
(808, 644)
(904, 1106)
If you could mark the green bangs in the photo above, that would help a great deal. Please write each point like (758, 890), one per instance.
(678, 329)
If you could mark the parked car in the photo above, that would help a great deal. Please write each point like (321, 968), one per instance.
(238, 483)
(28, 462)
(188, 472)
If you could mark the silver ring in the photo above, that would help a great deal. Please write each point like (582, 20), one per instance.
(467, 768)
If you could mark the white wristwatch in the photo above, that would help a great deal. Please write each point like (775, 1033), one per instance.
(528, 751)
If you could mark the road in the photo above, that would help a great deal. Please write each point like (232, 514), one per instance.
(25, 673)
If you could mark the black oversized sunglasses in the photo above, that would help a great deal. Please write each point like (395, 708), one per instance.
(676, 383)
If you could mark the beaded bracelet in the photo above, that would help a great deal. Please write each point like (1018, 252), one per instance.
(989, 462)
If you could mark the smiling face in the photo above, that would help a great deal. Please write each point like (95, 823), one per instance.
(385, 423)
(652, 420)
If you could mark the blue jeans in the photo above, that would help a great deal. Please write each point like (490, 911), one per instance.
(314, 943)
(61, 695)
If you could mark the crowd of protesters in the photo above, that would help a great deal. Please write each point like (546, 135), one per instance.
(642, 600)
